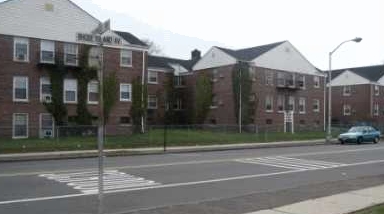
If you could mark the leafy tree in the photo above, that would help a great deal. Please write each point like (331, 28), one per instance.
(203, 98)
(153, 47)
(110, 94)
(139, 104)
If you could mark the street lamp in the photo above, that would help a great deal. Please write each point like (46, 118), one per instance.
(357, 40)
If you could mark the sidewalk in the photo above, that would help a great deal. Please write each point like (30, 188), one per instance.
(155, 150)
(343, 203)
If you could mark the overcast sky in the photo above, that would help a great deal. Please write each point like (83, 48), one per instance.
(314, 27)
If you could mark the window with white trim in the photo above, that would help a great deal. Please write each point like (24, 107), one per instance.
(316, 81)
(20, 49)
(46, 125)
(45, 90)
(346, 110)
(152, 77)
(252, 74)
(280, 103)
(70, 91)
(125, 92)
(268, 77)
(93, 92)
(20, 89)
(316, 105)
(152, 102)
(71, 52)
(347, 90)
(269, 103)
(178, 104)
(302, 105)
(301, 82)
(125, 58)
(377, 90)
(20, 125)
(214, 101)
(215, 74)
(47, 51)
(376, 109)
(291, 103)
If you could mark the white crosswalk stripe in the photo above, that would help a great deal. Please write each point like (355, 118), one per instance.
(87, 182)
(291, 163)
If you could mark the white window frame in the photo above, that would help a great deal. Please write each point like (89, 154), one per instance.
(302, 77)
(347, 92)
(317, 101)
(316, 81)
(178, 104)
(17, 40)
(270, 99)
(89, 91)
(282, 99)
(377, 90)
(152, 97)
(41, 124)
(269, 77)
(153, 74)
(49, 46)
(214, 97)
(13, 126)
(215, 74)
(376, 109)
(345, 107)
(26, 89)
(65, 88)
(302, 102)
(76, 48)
(129, 91)
(44, 80)
(291, 98)
(122, 55)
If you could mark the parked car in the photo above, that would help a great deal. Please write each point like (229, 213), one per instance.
(360, 134)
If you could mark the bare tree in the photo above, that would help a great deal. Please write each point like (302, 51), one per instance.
(154, 49)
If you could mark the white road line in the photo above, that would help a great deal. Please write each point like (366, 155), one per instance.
(180, 184)
(187, 162)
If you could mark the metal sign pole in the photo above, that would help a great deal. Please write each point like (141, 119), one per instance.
(100, 136)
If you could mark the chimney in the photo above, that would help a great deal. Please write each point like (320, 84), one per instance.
(195, 55)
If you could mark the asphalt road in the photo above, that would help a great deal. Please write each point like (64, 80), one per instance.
(235, 181)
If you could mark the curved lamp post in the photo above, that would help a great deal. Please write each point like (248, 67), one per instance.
(357, 40)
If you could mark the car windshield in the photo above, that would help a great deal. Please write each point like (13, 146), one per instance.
(356, 129)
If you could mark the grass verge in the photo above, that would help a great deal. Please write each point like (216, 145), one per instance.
(372, 210)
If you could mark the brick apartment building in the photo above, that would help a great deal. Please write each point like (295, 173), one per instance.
(34, 34)
(358, 95)
(283, 80)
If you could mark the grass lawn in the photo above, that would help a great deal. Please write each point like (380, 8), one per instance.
(372, 210)
(153, 138)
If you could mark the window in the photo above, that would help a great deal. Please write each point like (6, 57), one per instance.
(280, 79)
(376, 109)
(70, 54)
(46, 126)
(302, 105)
(377, 90)
(316, 105)
(178, 104)
(126, 58)
(179, 81)
(93, 92)
(152, 77)
(125, 92)
(268, 77)
(269, 103)
(301, 82)
(214, 101)
(252, 98)
(347, 90)
(252, 74)
(269, 121)
(316, 82)
(152, 102)
(280, 103)
(346, 110)
(290, 82)
(21, 49)
(291, 103)
(20, 125)
(214, 75)
(45, 90)
(125, 120)
(70, 91)
(47, 51)
(20, 89)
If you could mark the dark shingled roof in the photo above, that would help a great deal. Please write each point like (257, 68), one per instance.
(249, 54)
(163, 62)
(130, 38)
(372, 73)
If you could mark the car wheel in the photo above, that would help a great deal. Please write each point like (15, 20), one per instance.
(359, 140)
(376, 140)
(342, 142)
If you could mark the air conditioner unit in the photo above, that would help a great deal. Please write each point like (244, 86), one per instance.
(47, 98)
(47, 133)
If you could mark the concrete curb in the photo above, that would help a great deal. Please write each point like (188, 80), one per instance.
(151, 151)
(342, 203)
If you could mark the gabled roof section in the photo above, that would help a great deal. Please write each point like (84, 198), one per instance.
(130, 38)
(167, 62)
(249, 54)
(372, 73)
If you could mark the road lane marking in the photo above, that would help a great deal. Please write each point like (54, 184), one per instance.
(183, 184)
(187, 162)
(87, 182)
(290, 163)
